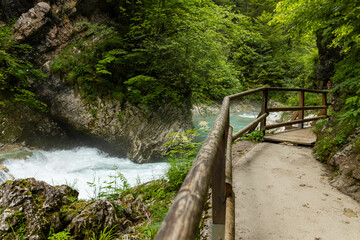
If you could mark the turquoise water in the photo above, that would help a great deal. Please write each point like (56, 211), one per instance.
(237, 120)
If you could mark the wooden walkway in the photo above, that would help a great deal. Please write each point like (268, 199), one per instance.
(303, 136)
(213, 164)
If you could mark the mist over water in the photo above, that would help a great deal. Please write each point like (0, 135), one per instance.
(78, 166)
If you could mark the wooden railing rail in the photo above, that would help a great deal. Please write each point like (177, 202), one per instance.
(213, 165)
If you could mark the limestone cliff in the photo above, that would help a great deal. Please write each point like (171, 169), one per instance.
(121, 128)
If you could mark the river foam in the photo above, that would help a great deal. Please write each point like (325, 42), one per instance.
(78, 166)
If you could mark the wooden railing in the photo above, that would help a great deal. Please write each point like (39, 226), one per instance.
(213, 165)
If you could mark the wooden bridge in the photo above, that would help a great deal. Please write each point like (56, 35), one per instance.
(213, 165)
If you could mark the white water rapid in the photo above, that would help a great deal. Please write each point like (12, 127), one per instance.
(81, 165)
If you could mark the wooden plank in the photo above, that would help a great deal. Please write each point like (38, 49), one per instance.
(230, 197)
(228, 166)
(301, 104)
(297, 89)
(284, 109)
(293, 118)
(218, 181)
(230, 217)
(264, 105)
(293, 122)
(243, 94)
(303, 136)
(324, 102)
(182, 220)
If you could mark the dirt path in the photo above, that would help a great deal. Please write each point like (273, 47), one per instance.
(282, 192)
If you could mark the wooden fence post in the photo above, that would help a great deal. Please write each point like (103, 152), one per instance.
(219, 188)
(324, 103)
(264, 109)
(301, 104)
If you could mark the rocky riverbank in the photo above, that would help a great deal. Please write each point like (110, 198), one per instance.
(33, 209)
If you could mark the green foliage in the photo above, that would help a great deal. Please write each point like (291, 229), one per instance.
(254, 136)
(331, 138)
(63, 235)
(347, 79)
(183, 150)
(267, 57)
(112, 188)
(338, 18)
(29, 98)
(91, 64)
(19, 230)
(17, 74)
(148, 91)
(336, 26)
(105, 234)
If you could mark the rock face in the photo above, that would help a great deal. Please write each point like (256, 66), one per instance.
(32, 204)
(34, 210)
(49, 26)
(347, 161)
(32, 22)
(21, 124)
(138, 133)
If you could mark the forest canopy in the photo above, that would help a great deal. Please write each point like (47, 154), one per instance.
(182, 52)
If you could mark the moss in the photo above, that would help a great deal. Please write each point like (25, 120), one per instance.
(331, 138)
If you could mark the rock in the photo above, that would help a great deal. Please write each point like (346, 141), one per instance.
(22, 126)
(16, 154)
(138, 133)
(94, 217)
(346, 161)
(3, 168)
(27, 204)
(32, 22)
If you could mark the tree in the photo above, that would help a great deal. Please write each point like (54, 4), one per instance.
(336, 25)
(16, 73)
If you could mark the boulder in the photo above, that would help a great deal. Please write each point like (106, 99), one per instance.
(95, 217)
(30, 207)
(32, 22)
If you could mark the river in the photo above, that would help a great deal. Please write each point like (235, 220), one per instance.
(79, 166)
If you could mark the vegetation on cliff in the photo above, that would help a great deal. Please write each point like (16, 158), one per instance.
(180, 52)
(16, 73)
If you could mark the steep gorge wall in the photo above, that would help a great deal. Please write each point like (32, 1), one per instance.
(50, 26)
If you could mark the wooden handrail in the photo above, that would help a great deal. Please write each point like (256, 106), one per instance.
(284, 109)
(297, 90)
(182, 220)
(277, 125)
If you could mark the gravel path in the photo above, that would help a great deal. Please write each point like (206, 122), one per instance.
(282, 192)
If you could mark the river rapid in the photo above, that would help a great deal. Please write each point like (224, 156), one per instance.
(80, 166)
